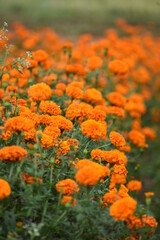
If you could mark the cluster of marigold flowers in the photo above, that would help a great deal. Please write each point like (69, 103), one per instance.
(83, 88)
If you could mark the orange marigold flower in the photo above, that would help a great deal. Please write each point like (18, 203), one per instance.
(149, 133)
(47, 141)
(115, 98)
(64, 148)
(52, 131)
(141, 75)
(112, 156)
(97, 114)
(134, 221)
(125, 148)
(5, 189)
(30, 134)
(103, 170)
(61, 122)
(93, 96)
(115, 111)
(78, 110)
(110, 197)
(123, 208)
(12, 153)
(69, 199)
(68, 186)
(118, 67)
(40, 91)
(45, 119)
(19, 124)
(137, 138)
(74, 92)
(118, 175)
(61, 86)
(73, 142)
(149, 194)
(137, 222)
(30, 179)
(73, 111)
(134, 185)
(50, 108)
(48, 79)
(135, 105)
(88, 176)
(40, 55)
(123, 192)
(93, 129)
(149, 220)
(6, 134)
(94, 62)
(117, 139)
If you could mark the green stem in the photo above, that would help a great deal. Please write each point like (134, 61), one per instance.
(44, 210)
(11, 171)
(61, 217)
(104, 145)
(51, 174)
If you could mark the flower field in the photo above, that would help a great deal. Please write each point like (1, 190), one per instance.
(76, 119)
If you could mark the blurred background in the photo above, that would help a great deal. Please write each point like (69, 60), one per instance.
(70, 18)
(73, 17)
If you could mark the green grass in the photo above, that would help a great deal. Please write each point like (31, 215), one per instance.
(73, 17)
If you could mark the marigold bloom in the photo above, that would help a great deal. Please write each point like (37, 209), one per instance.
(52, 131)
(64, 148)
(74, 92)
(40, 55)
(110, 197)
(19, 124)
(68, 186)
(149, 220)
(93, 96)
(103, 170)
(115, 98)
(94, 62)
(137, 222)
(137, 138)
(115, 111)
(12, 153)
(47, 141)
(123, 208)
(119, 174)
(45, 119)
(134, 221)
(5, 135)
(118, 67)
(149, 194)
(69, 199)
(40, 91)
(135, 105)
(30, 179)
(93, 129)
(134, 185)
(73, 111)
(50, 108)
(61, 86)
(30, 134)
(123, 192)
(78, 110)
(61, 122)
(149, 133)
(5, 189)
(88, 176)
(97, 114)
(112, 156)
(117, 139)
